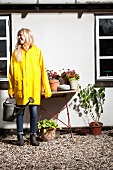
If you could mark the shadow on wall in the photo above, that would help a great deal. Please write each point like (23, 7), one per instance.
(86, 117)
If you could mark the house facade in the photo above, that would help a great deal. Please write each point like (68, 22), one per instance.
(72, 35)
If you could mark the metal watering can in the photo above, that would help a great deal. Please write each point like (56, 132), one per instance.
(9, 110)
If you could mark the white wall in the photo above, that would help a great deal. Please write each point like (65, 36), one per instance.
(66, 42)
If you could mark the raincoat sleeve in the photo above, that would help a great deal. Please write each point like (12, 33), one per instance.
(11, 76)
(44, 76)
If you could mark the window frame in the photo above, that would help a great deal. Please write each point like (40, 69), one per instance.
(7, 38)
(105, 80)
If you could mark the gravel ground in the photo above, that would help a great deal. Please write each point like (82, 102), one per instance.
(82, 152)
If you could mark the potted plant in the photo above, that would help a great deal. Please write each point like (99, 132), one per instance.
(71, 77)
(47, 129)
(91, 101)
(53, 77)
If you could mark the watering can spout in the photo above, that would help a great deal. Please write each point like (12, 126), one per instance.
(31, 99)
(9, 110)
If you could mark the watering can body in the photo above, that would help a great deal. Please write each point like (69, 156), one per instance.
(10, 110)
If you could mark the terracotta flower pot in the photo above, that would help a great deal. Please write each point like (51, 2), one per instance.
(96, 128)
(49, 135)
(54, 84)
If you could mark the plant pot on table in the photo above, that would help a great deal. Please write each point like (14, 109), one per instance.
(54, 84)
(73, 84)
(65, 80)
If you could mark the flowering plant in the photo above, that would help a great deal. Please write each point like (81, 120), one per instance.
(70, 74)
(52, 74)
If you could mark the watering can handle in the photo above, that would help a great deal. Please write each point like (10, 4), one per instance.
(8, 99)
(31, 100)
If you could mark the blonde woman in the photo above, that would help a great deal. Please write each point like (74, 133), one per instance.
(26, 74)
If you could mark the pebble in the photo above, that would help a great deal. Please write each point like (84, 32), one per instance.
(83, 152)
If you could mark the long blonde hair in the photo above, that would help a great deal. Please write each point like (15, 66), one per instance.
(29, 41)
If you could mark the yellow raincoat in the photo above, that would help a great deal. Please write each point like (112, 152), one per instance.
(26, 77)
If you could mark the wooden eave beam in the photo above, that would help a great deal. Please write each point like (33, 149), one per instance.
(37, 8)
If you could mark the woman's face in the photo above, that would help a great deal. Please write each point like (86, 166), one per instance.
(21, 38)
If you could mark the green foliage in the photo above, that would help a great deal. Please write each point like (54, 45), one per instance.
(45, 124)
(91, 99)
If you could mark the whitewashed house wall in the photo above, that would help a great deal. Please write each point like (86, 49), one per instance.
(66, 41)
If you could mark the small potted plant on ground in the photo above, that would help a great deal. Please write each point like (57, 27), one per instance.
(91, 102)
(47, 129)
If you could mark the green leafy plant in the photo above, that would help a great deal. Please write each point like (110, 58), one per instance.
(91, 100)
(47, 124)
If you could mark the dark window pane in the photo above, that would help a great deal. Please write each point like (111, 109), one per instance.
(3, 52)
(106, 67)
(3, 69)
(106, 47)
(106, 27)
(2, 28)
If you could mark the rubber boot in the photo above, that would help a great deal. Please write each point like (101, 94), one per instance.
(20, 139)
(33, 140)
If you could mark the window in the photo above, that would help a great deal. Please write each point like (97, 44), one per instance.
(104, 50)
(4, 48)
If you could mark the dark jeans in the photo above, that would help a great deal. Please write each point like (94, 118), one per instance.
(33, 109)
